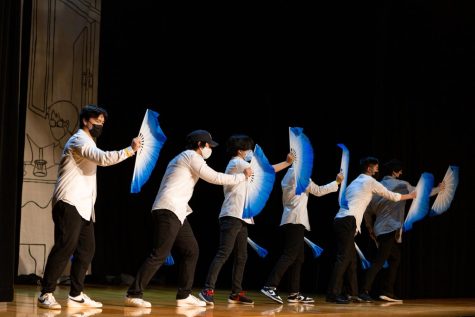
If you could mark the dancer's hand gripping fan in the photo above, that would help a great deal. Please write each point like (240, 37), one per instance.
(259, 185)
(302, 150)
(420, 205)
(444, 198)
(345, 162)
(152, 138)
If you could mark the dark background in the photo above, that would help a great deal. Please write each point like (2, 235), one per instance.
(387, 79)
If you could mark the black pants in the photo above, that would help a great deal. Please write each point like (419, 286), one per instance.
(233, 236)
(168, 232)
(345, 264)
(291, 259)
(389, 250)
(72, 236)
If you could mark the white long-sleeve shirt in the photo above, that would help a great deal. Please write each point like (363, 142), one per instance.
(181, 176)
(295, 206)
(76, 183)
(359, 194)
(235, 195)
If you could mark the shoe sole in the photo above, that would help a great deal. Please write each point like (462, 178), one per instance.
(389, 299)
(273, 298)
(300, 301)
(334, 301)
(137, 305)
(49, 306)
(239, 302)
(190, 305)
(81, 305)
(204, 300)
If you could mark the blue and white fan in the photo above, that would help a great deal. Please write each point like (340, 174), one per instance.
(152, 138)
(365, 264)
(302, 150)
(420, 205)
(316, 250)
(169, 261)
(345, 162)
(444, 198)
(260, 250)
(259, 185)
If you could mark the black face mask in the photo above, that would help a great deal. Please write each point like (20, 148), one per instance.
(96, 130)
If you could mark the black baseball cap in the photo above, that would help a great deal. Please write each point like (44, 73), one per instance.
(201, 135)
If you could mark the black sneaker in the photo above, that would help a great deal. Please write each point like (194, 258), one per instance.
(240, 298)
(365, 297)
(355, 299)
(207, 295)
(299, 298)
(271, 292)
(390, 298)
(337, 299)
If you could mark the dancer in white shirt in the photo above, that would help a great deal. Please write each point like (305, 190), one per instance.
(73, 208)
(347, 224)
(169, 214)
(233, 227)
(294, 223)
(384, 220)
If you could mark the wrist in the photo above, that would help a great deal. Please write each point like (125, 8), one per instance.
(129, 151)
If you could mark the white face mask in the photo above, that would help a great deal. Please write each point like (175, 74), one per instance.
(206, 152)
(249, 155)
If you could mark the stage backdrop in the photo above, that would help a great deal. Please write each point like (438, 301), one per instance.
(63, 67)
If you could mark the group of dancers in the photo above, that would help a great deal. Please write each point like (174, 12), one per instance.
(73, 215)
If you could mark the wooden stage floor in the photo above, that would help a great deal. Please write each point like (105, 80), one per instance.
(163, 304)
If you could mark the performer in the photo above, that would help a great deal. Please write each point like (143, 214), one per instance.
(73, 208)
(294, 223)
(347, 224)
(386, 230)
(233, 227)
(169, 213)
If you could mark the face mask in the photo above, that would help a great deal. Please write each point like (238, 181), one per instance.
(96, 130)
(206, 152)
(249, 155)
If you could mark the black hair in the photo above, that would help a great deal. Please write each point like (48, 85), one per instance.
(194, 145)
(91, 111)
(238, 142)
(391, 166)
(365, 162)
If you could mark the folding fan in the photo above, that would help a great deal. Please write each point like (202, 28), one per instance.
(420, 205)
(259, 185)
(169, 261)
(345, 162)
(260, 250)
(316, 250)
(152, 138)
(302, 150)
(365, 264)
(444, 198)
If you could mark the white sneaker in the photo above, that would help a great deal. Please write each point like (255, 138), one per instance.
(82, 300)
(190, 301)
(48, 301)
(136, 302)
(389, 298)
